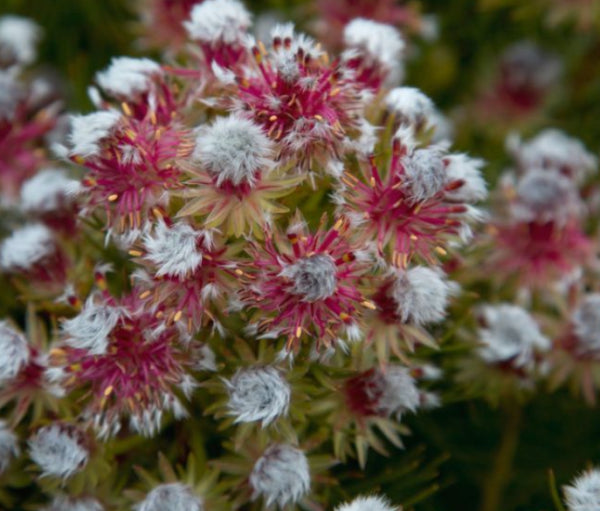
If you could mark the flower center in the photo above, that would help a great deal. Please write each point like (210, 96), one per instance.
(313, 277)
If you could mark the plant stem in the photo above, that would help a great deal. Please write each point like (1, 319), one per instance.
(497, 480)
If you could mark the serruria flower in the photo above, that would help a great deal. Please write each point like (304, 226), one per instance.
(59, 450)
(306, 284)
(258, 394)
(305, 103)
(186, 273)
(583, 494)
(132, 164)
(280, 476)
(408, 209)
(172, 497)
(135, 377)
(410, 107)
(372, 503)
(374, 52)
(18, 41)
(219, 27)
(9, 446)
(64, 503)
(233, 183)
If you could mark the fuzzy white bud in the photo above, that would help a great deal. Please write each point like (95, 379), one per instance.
(233, 149)
(26, 247)
(281, 475)
(396, 393)
(18, 39)
(421, 295)
(410, 106)
(64, 503)
(90, 329)
(48, 190)
(88, 131)
(218, 21)
(171, 497)
(14, 352)
(174, 250)
(510, 334)
(583, 494)
(313, 277)
(58, 450)
(424, 174)
(127, 77)
(9, 447)
(371, 503)
(586, 323)
(258, 394)
(460, 167)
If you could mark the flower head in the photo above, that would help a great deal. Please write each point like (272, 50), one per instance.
(410, 106)
(583, 494)
(128, 77)
(88, 131)
(510, 336)
(18, 40)
(372, 503)
(9, 447)
(50, 190)
(63, 503)
(258, 394)
(59, 450)
(14, 352)
(171, 497)
(281, 475)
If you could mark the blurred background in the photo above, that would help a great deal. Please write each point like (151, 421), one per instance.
(492, 67)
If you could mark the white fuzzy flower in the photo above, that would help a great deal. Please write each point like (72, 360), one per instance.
(87, 131)
(58, 450)
(545, 196)
(26, 247)
(553, 150)
(586, 322)
(510, 334)
(64, 503)
(48, 190)
(14, 352)
(313, 277)
(281, 475)
(171, 497)
(421, 295)
(174, 250)
(396, 392)
(460, 167)
(258, 394)
(424, 173)
(214, 21)
(90, 329)
(583, 494)
(18, 39)
(127, 77)
(410, 106)
(9, 447)
(379, 42)
(372, 503)
(233, 149)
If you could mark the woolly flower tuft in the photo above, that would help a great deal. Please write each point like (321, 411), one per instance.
(90, 329)
(14, 352)
(48, 190)
(127, 77)
(510, 334)
(409, 105)
(460, 167)
(425, 174)
(258, 394)
(171, 497)
(174, 250)
(421, 295)
(26, 247)
(8, 446)
(18, 39)
(584, 492)
(216, 21)
(586, 322)
(234, 150)
(63, 503)
(313, 277)
(87, 131)
(58, 450)
(397, 392)
(281, 475)
(372, 503)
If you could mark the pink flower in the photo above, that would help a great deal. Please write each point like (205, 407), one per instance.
(306, 284)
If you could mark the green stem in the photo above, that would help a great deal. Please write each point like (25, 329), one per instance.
(497, 480)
